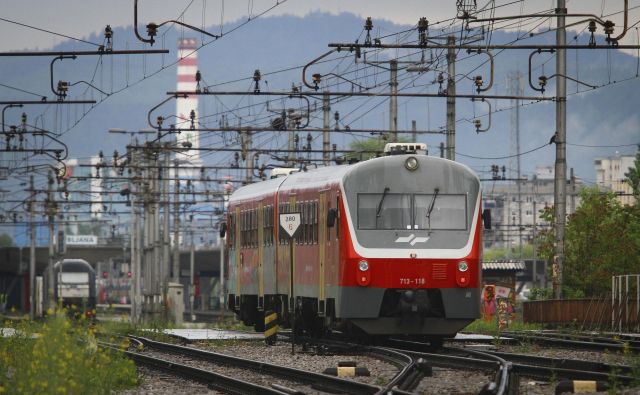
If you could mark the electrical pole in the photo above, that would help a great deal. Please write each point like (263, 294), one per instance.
(516, 89)
(560, 185)
(166, 253)
(393, 101)
(451, 100)
(326, 124)
(245, 142)
(535, 245)
(32, 254)
(191, 268)
(51, 215)
(176, 227)
(414, 131)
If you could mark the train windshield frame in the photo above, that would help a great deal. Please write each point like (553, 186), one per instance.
(408, 211)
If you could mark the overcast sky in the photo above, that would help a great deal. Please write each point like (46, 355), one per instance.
(80, 18)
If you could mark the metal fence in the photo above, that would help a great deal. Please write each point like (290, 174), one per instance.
(604, 313)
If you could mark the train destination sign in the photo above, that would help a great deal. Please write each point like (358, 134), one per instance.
(290, 222)
(82, 240)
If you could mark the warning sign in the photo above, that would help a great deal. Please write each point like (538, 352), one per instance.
(290, 223)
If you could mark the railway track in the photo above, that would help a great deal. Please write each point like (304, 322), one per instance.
(578, 341)
(503, 372)
(299, 381)
(530, 366)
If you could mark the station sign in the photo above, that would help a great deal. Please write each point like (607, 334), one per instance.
(290, 223)
(82, 240)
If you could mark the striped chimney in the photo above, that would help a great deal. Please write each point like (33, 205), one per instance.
(187, 68)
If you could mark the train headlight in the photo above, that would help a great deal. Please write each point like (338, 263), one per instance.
(363, 266)
(411, 163)
(463, 266)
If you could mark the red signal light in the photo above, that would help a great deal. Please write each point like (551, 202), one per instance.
(105, 274)
(129, 274)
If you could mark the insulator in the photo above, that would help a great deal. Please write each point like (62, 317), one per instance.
(592, 26)
(336, 116)
(198, 76)
(63, 87)
(316, 80)
(159, 121)
(309, 138)
(108, 32)
(440, 78)
(478, 82)
(256, 78)
(368, 24)
(24, 118)
(152, 30)
(423, 24)
(542, 80)
(608, 27)
(477, 123)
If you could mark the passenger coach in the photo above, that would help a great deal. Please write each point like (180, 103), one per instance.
(387, 246)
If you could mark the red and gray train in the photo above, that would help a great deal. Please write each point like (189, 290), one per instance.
(387, 246)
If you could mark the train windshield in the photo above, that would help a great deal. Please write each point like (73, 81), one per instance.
(441, 212)
(412, 211)
(383, 210)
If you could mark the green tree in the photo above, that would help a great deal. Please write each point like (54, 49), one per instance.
(633, 177)
(602, 239)
(6, 240)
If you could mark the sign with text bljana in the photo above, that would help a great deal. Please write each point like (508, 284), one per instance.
(81, 240)
(290, 223)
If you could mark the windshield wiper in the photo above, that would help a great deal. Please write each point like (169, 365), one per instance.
(384, 194)
(431, 206)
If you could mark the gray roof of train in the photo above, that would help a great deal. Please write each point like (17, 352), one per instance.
(318, 178)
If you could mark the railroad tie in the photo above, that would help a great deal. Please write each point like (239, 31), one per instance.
(574, 386)
(347, 369)
(270, 327)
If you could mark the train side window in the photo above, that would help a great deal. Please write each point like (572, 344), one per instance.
(254, 227)
(315, 222)
(299, 208)
(282, 210)
(271, 228)
(242, 238)
(309, 223)
(265, 226)
(233, 231)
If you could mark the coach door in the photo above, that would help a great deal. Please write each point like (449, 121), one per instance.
(322, 243)
(238, 244)
(260, 256)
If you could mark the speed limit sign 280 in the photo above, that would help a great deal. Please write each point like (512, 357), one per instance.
(290, 223)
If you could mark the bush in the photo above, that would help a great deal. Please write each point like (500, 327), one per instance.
(60, 356)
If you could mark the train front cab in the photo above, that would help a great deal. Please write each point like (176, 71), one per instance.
(412, 253)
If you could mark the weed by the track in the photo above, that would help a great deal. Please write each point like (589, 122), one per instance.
(60, 355)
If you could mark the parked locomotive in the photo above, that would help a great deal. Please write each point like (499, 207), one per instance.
(74, 285)
(388, 246)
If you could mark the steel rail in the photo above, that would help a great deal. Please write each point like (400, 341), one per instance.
(329, 382)
(411, 371)
(212, 379)
(601, 345)
(569, 364)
